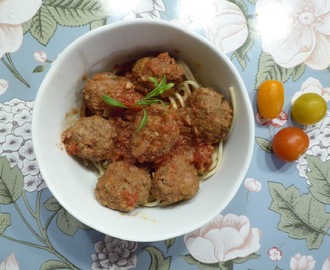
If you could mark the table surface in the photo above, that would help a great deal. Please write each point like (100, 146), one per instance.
(280, 216)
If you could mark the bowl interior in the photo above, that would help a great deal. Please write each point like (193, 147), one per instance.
(73, 184)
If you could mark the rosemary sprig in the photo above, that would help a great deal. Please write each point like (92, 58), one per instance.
(160, 88)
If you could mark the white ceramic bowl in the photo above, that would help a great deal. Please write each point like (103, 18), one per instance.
(73, 185)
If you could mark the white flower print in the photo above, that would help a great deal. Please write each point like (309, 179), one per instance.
(19, 105)
(228, 27)
(5, 117)
(14, 159)
(312, 85)
(12, 14)
(30, 167)
(319, 152)
(325, 137)
(27, 150)
(40, 56)
(313, 135)
(22, 117)
(275, 254)
(224, 238)
(10, 263)
(5, 128)
(326, 265)
(252, 185)
(24, 131)
(296, 32)
(12, 143)
(5, 108)
(325, 123)
(31, 182)
(299, 262)
(16, 141)
(3, 86)
(114, 254)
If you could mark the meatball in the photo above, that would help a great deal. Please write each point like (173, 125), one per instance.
(89, 138)
(210, 113)
(123, 186)
(158, 136)
(156, 67)
(177, 180)
(107, 83)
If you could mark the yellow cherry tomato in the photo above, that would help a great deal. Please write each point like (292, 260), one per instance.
(309, 108)
(270, 99)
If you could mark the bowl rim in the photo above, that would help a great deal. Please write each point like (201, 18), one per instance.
(120, 24)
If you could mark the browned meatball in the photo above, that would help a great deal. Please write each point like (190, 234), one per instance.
(175, 181)
(210, 113)
(158, 136)
(123, 186)
(117, 87)
(89, 138)
(157, 67)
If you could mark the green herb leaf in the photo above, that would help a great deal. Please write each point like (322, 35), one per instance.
(149, 101)
(113, 102)
(154, 80)
(160, 87)
(144, 120)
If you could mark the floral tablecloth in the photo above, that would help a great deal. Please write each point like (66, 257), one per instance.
(280, 217)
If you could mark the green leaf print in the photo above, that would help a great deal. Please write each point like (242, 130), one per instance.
(158, 260)
(319, 177)
(39, 68)
(53, 264)
(4, 222)
(97, 23)
(169, 243)
(302, 216)
(43, 26)
(247, 258)
(264, 144)
(67, 223)
(11, 182)
(67, 13)
(52, 205)
(192, 261)
(269, 70)
(76, 12)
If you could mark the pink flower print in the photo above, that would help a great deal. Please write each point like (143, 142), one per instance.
(227, 29)
(299, 262)
(326, 265)
(40, 56)
(12, 14)
(223, 239)
(275, 253)
(252, 185)
(276, 122)
(10, 263)
(3, 86)
(296, 32)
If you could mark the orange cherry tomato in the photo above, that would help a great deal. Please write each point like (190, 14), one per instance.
(290, 143)
(270, 99)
